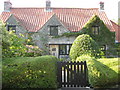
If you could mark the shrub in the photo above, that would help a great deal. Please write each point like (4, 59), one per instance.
(102, 73)
(33, 51)
(30, 72)
(118, 49)
(85, 58)
(84, 44)
(12, 45)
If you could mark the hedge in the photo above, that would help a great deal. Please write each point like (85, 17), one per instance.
(102, 73)
(29, 72)
(84, 44)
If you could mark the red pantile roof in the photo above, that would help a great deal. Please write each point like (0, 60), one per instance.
(117, 30)
(72, 18)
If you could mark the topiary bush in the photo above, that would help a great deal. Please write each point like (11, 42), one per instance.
(84, 44)
(29, 72)
(87, 58)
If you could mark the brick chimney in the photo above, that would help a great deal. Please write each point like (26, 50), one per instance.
(48, 5)
(101, 5)
(7, 5)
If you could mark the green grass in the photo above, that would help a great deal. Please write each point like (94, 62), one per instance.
(29, 72)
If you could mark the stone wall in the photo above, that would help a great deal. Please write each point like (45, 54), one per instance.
(43, 38)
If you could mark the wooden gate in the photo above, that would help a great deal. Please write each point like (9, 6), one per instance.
(72, 74)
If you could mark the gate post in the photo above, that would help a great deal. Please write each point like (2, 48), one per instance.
(59, 74)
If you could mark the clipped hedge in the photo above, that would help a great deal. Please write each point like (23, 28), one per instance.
(84, 44)
(29, 72)
(103, 73)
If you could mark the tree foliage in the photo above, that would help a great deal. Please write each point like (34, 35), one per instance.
(84, 44)
(12, 45)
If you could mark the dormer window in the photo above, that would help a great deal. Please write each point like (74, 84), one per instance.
(12, 28)
(53, 30)
(95, 30)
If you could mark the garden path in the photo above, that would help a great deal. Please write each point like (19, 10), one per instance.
(75, 88)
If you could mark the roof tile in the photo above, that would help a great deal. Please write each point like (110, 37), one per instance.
(73, 18)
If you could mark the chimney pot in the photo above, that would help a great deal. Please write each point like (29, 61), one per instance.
(48, 5)
(101, 5)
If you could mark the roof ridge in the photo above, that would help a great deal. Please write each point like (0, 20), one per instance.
(51, 7)
(115, 23)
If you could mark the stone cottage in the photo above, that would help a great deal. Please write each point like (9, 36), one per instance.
(47, 24)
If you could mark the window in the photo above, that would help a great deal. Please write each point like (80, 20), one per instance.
(64, 49)
(95, 30)
(12, 28)
(53, 30)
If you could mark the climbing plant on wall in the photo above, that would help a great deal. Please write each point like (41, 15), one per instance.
(104, 37)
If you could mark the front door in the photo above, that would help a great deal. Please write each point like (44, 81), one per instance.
(54, 50)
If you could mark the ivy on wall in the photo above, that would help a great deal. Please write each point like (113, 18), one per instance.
(105, 36)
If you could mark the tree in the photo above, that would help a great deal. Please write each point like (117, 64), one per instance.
(12, 45)
(83, 45)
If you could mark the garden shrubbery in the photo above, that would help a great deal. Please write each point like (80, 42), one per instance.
(33, 51)
(29, 72)
(84, 44)
(103, 72)
(103, 75)
(14, 46)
